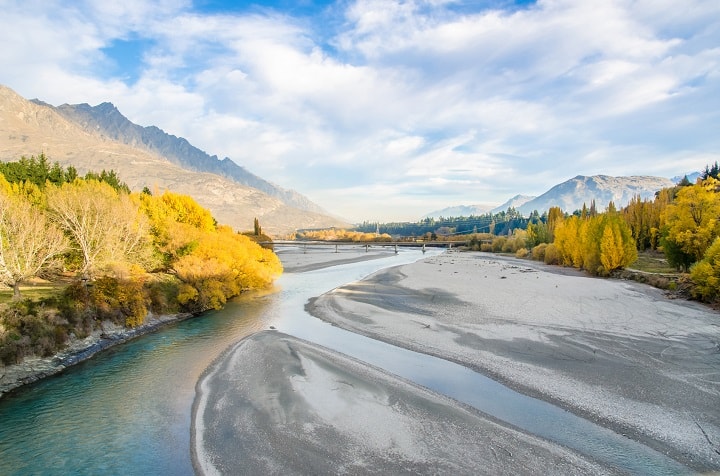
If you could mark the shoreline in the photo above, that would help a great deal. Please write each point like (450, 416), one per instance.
(34, 369)
(607, 350)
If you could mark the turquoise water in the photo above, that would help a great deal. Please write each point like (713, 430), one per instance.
(128, 410)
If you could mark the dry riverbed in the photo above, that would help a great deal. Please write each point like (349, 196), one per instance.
(615, 352)
(279, 405)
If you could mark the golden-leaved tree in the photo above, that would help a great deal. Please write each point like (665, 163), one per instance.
(213, 263)
(105, 225)
(223, 264)
(706, 274)
(597, 243)
(568, 239)
(29, 242)
(692, 221)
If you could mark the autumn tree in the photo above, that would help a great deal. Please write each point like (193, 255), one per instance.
(176, 222)
(104, 226)
(706, 274)
(644, 217)
(617, 249)
(568, 241)
(555, 215)
(222, 265)
(692, 221)
(537, 233)
(599, 244)
(29, 242)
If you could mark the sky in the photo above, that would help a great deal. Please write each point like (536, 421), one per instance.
(384, 110)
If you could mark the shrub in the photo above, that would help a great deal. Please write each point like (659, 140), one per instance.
(163, 295)
(498, 243)
(551, 254)
(28, 328)
(538, 252)
(486, 247)
(119, 301)
(521, 253)
(705, 274)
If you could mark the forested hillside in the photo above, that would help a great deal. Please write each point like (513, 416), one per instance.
(113, 255)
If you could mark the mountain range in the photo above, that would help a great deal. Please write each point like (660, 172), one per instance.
(107, 120)
(100, 137)
(477, 210)
(602, 189)
(572, 194)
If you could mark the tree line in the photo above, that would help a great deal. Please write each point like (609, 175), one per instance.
(500, 223)
(682, 221)
(122, 255)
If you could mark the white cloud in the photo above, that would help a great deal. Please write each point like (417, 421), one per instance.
(414, 102)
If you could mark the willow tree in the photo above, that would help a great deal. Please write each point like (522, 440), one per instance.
(223, 265)
(29, 242)
(105, 225)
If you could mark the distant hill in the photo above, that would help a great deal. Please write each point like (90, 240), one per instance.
(691, 176)
(572, 194)
(516, 202)
(460, 211)
(105, 119)
(28, 128)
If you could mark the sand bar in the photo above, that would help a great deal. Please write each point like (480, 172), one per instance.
(615, 352)
(279, 405)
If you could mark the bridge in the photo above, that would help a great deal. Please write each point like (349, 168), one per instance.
(366, 244)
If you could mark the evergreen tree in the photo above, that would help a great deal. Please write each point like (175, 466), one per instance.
(711, 171)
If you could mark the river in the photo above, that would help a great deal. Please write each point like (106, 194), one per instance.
(128, 410)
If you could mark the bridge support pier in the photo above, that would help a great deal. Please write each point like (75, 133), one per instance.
(336, 248)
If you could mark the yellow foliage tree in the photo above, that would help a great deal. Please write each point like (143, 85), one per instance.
(29, 242)
(693, 219)
(597, 243)
(706, 274)
(568, 241)
(611, 248)
(104, 225)
(177, 222)
(222, 265)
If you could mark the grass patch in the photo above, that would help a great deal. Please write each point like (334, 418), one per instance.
(653, 262)
(33, 292)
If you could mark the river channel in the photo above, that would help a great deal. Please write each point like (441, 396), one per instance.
(128, 410)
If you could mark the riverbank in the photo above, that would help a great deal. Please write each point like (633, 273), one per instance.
(33, 369)
(617, 353)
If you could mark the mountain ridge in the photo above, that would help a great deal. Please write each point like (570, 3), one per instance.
(515, 202)
(106, 119)
(581, 189)
(29, 128)
(571, 194)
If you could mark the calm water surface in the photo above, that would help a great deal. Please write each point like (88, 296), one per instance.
(128, 410)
